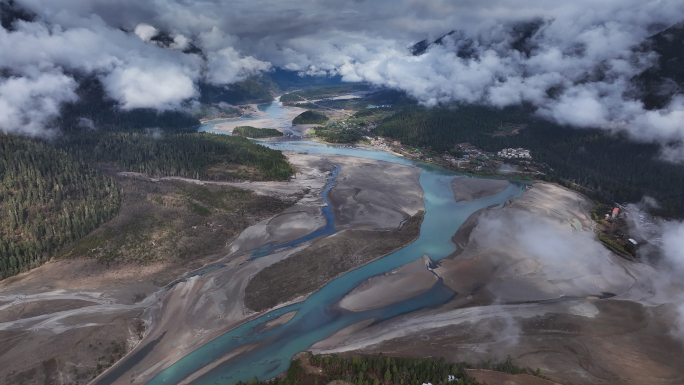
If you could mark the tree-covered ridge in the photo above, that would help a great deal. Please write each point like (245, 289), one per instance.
(189, 155)
(310, 117)
(611, 168)
(47, 199)
(253, 132)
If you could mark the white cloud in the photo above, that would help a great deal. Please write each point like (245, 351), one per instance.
(226, 66)
(180, 42)
(145, 31)
(161, 87)
(28, 104)
(581, 48)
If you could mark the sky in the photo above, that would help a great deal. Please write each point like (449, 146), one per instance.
(582, 49)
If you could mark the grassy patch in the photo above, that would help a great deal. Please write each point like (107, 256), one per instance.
(194, 222)
(198, 209)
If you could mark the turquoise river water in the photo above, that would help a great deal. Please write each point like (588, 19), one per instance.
(318, 316)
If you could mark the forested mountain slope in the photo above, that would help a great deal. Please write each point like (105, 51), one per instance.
(51, 196)
(47, 199)
(612, 167)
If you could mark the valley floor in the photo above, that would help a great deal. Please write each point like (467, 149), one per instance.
(122, 304)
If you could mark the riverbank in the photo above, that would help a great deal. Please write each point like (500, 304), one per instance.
(533, 291)
(418, 276)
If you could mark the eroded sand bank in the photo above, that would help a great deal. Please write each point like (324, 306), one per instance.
(371, 200)
(193, 313)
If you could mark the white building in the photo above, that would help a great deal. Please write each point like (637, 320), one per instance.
(514, 153)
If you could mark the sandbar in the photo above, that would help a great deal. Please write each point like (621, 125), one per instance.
(401, 283)
(469, 189)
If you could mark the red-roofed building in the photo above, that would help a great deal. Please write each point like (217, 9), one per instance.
(615, 212)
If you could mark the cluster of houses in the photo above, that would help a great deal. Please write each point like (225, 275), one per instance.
(381, 142)
(344, 124)
(381, 106)
(514, 153)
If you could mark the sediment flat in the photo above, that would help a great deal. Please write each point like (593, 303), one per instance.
(372, 195)
(293, 223)
(470, 188)
(492, 377)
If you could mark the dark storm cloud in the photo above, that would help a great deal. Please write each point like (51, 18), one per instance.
(582, 49)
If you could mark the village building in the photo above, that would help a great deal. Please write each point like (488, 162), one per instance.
(514, 153)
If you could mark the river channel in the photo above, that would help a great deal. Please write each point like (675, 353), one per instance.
(268, 352)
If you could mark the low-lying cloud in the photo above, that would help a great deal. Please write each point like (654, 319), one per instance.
(543, 249)
(662, 246)
(574, 65)
(27, 104)
(544, 257)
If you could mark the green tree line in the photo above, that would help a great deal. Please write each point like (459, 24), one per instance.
(190, 155)
(339, 135)
(253, 132)
(382, 370)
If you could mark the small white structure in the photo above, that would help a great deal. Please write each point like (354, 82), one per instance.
(514, 153)
(451, 378)
(633, 241)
